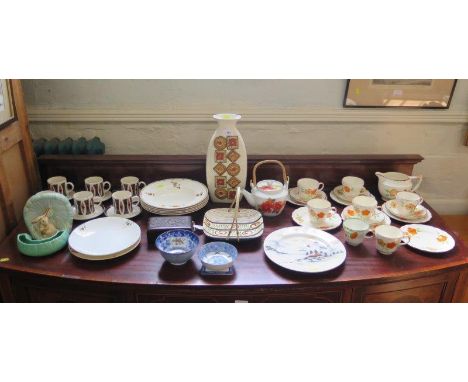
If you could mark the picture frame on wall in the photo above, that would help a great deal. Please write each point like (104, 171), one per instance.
(7, 112)
(399, 93)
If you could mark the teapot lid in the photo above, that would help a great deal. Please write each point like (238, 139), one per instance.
(270, 186)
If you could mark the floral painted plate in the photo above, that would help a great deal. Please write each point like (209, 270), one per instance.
(294, 197)
(428, 238)
(304, 249)
(301, 216)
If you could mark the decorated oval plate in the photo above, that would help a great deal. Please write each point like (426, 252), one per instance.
(304, 249)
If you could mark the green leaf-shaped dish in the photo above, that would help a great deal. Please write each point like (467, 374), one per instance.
(31, 247)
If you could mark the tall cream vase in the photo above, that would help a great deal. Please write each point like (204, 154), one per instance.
(226, 160)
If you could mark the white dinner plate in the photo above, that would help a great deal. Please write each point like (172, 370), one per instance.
(428, 238)
(104, 236)
(174, 212)
(304, 249)
(173, 194)
(202, 203)
(108, 257)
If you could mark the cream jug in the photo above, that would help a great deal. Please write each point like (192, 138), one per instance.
(391, 183)
(268, 196)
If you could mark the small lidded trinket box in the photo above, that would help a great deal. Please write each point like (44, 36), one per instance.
(159, 224)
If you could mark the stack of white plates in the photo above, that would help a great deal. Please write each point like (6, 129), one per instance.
(104, 238)
(174, 196)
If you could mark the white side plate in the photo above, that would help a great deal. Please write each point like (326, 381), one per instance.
(428, 238)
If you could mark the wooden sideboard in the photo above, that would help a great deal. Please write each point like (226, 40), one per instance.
(144, 276)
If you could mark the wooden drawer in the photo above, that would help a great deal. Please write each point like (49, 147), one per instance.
(428, 289)
(40, 290)
(266, 295)
(180, 298)
(38, 294)
(301, 296)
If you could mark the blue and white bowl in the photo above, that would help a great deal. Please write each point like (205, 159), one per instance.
(177, 246)
(217, 256)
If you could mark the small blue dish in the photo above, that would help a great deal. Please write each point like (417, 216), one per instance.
(217, 256)
(177, 246)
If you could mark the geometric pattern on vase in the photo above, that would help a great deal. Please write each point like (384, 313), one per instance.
(219, 168)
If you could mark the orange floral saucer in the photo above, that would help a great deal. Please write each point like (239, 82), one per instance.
(379, 218)
(295, 198)
(337, 195)
(428, 238)
(301, 217)
(421, 215)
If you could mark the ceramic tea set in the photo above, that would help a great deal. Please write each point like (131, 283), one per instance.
(88, 203)
(303, 248)
(268, 196)
(362, 217)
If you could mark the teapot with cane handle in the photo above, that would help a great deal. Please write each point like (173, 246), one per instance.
(391, 183)
(268, 196)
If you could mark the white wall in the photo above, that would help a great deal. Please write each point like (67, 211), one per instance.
(280, 116)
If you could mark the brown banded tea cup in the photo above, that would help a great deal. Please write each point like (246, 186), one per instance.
(85, 203)
(124, 202)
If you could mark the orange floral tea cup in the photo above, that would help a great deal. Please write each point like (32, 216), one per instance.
(407, 202)
(365, 206)
(319, 210)
(352, 186)
(389, 239)
(309, 188)
(356, 230)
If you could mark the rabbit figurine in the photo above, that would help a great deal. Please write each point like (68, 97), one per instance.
(45, 227)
